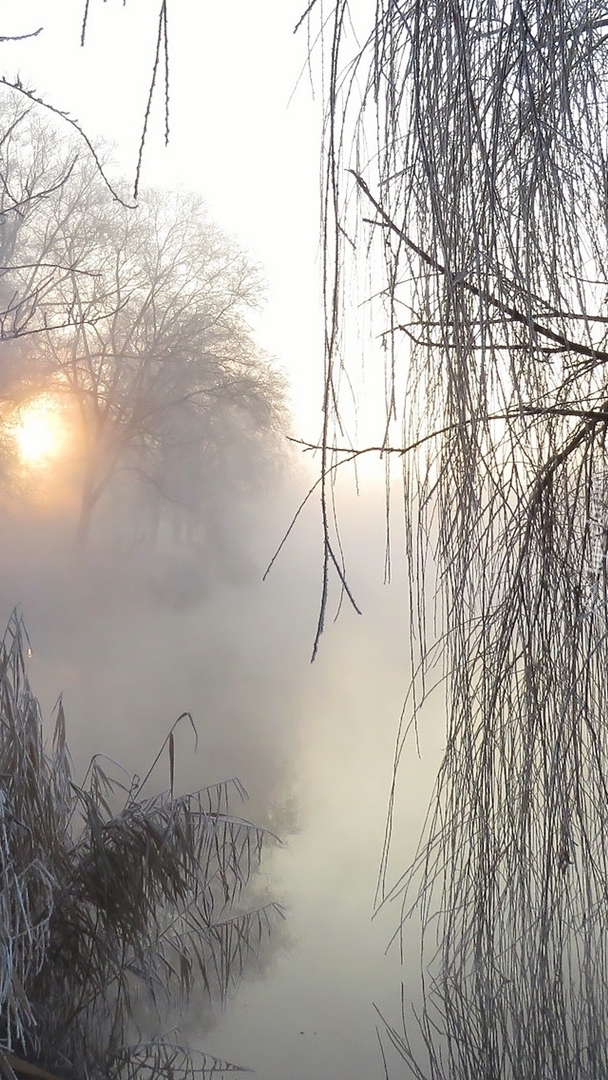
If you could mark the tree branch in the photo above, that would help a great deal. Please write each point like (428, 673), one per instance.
(597, 355)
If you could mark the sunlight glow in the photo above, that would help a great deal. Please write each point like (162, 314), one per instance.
(39, 431)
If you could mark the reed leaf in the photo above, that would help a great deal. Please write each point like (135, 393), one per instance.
(111, 898)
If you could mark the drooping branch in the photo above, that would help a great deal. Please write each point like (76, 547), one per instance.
(459, 281)
(475, 135)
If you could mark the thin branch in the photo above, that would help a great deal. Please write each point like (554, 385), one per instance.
(596, 355)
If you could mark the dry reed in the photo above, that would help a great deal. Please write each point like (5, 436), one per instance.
(114, 904)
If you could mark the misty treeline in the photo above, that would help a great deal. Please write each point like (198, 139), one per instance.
(465, 167)
(134, 320)
(121, 905)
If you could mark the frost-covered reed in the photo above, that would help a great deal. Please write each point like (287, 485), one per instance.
(116, 906)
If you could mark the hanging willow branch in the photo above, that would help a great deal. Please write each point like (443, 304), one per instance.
(475, 132)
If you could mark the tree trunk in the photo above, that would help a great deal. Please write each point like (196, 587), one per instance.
(91, 493)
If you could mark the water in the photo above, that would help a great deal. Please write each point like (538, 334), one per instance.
(312, 743)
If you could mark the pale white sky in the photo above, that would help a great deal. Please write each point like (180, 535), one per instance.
(242, 133)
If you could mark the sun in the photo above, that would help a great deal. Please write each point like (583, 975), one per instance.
(39, 431)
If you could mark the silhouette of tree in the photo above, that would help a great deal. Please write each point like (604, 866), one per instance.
(141, 327)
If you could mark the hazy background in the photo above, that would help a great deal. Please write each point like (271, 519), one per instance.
(313, 744)
(130, 649)
(133, 636)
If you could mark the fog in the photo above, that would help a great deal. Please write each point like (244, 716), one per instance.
(157, 614)
(144, 626)
(133, 634)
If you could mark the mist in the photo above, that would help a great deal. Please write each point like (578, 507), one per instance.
(158, 607)
(136, 631)
(139, 567)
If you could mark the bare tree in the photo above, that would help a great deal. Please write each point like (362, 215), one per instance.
(465, 161)
(145, 333)
(31, 174)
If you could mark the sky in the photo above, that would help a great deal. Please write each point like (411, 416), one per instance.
(245, 132)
